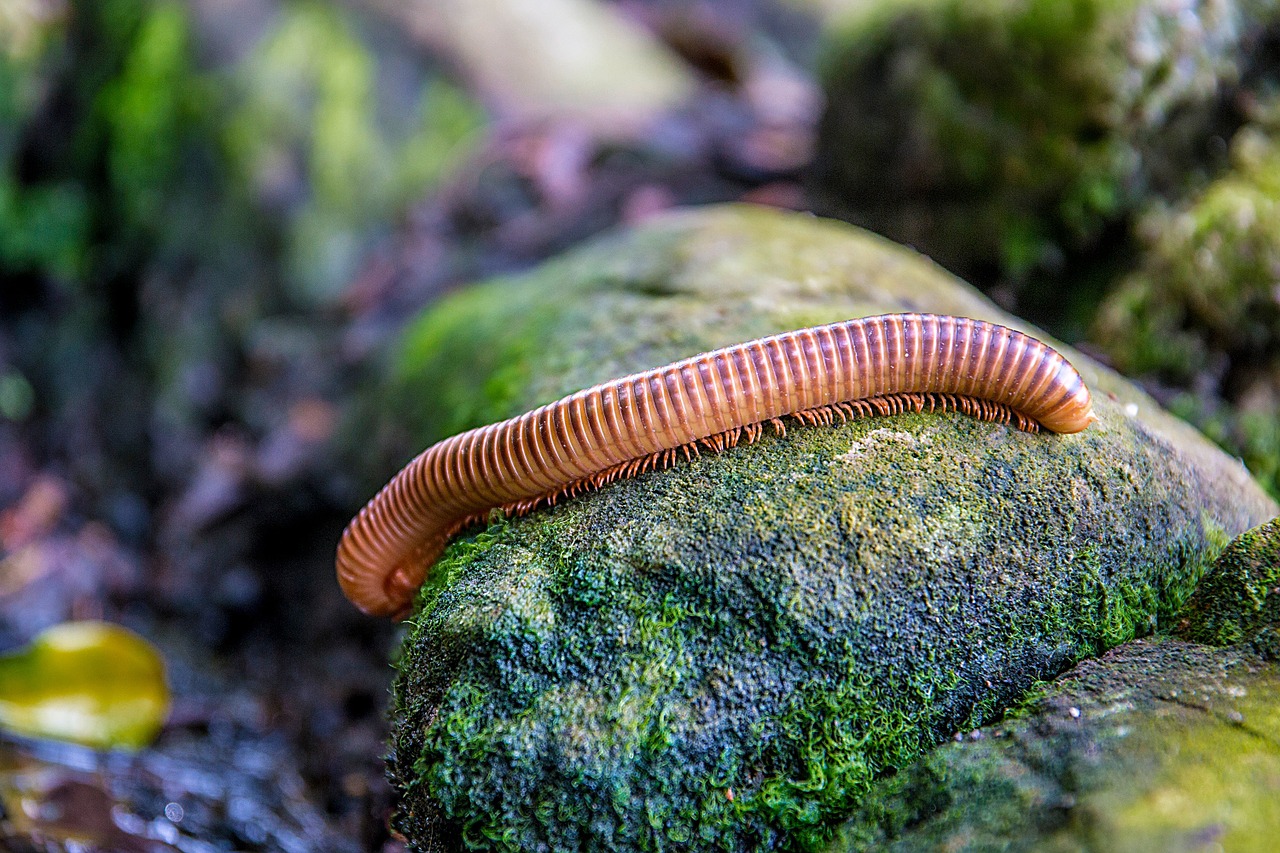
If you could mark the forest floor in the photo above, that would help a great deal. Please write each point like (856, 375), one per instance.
(216, 540)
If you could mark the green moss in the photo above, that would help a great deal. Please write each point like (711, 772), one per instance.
(1205, 280)
(1157, 746)
(1239, 600)
(730, 653)
(674, 661)
(462, 339)
(1008, 133)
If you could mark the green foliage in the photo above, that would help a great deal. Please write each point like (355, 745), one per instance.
(89, 682)
(41, 226)
(161, 210)
(152, 159)
(97, 200)
(1201, 310)
(144, 113)
(308, 97)
(449, 126)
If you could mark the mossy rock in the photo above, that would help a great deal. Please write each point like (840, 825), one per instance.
(1160, 745)
(727, 654)
(1005, 134)
(1239, 599)
(1199, 316)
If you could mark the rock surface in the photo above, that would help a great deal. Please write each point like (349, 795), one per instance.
(729, 653)
(1159, 745)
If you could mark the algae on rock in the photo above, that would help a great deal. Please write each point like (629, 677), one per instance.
(729, 653)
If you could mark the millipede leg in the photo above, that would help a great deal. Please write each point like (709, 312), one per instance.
(889, 404)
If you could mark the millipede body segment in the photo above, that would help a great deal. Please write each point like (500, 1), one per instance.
(876, 365)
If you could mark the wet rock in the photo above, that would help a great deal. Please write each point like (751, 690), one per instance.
(1008, 134)
(1159, 745)
(729, 653)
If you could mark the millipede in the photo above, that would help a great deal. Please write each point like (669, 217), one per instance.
(882, 365)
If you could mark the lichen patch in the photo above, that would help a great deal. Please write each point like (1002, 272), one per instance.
(881, 439)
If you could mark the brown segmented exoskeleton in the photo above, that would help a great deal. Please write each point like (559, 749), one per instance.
(876, 365)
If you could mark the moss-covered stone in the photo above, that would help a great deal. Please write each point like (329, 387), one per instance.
(729, 653)
(1239, 599)
(1160, 745)
(1200, 315)
(1006, 133)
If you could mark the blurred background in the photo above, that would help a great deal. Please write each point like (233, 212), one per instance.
(216, 215)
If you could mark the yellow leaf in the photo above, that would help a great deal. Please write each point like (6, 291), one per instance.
(89, 682)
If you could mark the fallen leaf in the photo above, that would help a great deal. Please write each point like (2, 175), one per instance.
(88, 682)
